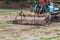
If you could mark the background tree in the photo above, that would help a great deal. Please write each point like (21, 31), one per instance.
(6, 1)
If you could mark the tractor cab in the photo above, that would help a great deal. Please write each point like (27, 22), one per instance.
(48, 7)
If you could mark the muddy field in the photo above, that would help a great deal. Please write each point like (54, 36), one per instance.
(9, 31)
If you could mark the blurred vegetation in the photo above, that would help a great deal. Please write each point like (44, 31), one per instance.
(6, 1)
(32, 1)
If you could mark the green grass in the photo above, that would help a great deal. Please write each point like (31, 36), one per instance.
(57, 30)
(46, 39)
(3, 23)
(55, 38)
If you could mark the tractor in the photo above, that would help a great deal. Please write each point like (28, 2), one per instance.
(40, 16)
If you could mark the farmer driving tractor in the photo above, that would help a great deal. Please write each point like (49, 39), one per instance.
(40, 3)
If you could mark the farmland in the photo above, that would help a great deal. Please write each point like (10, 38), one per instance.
(10, 31)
